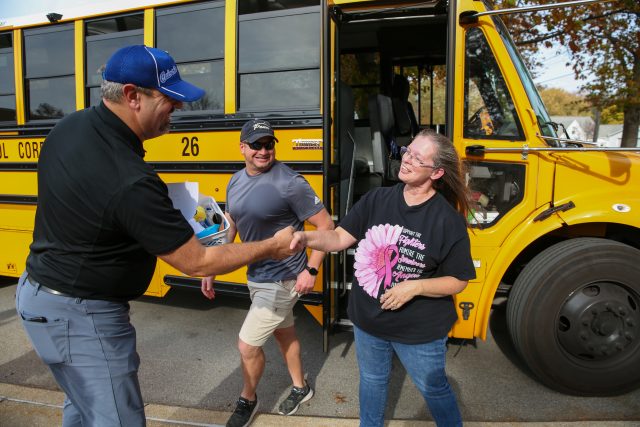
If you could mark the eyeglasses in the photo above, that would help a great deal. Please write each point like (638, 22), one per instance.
(257, 146)
(413, 159)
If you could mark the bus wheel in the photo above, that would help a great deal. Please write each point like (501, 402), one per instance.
(574, 316)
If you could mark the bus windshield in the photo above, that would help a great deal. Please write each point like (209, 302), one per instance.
(544, 121)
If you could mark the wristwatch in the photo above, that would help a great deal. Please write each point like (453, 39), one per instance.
(312, 271)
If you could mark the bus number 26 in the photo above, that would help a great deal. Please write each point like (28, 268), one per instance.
(191, 147)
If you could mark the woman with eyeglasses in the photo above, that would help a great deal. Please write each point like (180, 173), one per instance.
(412, 255)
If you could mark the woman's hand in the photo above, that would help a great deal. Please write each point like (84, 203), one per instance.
(403, 292)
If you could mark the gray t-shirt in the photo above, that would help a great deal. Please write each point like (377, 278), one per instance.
(263, 204)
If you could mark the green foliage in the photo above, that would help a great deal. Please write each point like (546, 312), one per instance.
(560, 102)
(603, 39)
(611, 116)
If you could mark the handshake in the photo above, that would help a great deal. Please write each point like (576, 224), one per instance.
(287, 242)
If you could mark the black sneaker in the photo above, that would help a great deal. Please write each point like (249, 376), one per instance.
(245, 410)
(297, 396)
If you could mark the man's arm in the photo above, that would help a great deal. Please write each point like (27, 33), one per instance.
(305, 281)
(206, 284)
(232, 230)
(196, 260)
(327, 241)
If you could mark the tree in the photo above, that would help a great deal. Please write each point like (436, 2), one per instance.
(559, 102)
(603, 38)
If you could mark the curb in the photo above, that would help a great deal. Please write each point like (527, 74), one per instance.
(27, 406)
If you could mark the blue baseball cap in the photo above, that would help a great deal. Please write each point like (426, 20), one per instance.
(150, 68)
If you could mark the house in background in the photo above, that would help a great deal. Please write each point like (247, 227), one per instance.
(578, 127)
(611, 135)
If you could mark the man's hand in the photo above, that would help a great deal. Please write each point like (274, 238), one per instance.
(282, 242)
(304, 282)
(207, 287)
(299, 241)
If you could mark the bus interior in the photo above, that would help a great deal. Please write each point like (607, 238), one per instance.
(392, 82)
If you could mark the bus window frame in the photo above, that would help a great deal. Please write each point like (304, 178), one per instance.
(10, 51)
(100, 37)
(176, 9)
(466, 91)
(26, 79)
(241, 71)
(542, 115)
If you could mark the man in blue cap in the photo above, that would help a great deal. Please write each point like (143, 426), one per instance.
(103, 217)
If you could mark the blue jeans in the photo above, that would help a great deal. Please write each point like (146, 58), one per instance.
(424, 364)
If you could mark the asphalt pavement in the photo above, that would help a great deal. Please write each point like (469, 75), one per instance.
(190, 375)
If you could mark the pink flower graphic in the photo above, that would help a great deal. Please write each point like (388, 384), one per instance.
(375, 257)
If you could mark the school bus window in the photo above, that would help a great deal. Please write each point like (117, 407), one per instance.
(427, 89)
(49, 72)
(543, 118)
(252, 6)
(279, 60)
(7, 79)
(488, 107)
(194, 36)
(361, 71)
(433, 85)
(496, 188)
(103, 37)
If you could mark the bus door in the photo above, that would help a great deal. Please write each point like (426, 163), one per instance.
(390, 66)
(495, 116)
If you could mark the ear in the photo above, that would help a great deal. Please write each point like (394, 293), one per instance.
(131, 96)
(437, 174)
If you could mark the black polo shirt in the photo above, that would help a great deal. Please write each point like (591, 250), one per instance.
(103, 213)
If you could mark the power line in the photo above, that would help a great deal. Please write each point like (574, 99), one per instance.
(555, 78)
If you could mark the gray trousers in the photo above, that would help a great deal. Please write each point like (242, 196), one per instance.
(90, 347)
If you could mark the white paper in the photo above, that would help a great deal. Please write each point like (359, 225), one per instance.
(184, 196)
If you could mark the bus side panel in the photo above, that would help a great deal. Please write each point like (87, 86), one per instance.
(18, 188)
(16, 233)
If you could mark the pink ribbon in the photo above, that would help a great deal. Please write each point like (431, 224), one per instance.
(385, 270)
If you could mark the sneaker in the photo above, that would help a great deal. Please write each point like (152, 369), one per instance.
(245, 410)
(297, 396)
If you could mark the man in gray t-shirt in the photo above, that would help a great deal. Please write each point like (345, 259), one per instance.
(262, 198)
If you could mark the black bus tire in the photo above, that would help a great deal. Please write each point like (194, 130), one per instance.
(574, 317)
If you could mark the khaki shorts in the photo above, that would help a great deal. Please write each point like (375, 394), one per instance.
(271, 308)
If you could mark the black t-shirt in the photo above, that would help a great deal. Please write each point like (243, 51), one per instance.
(103, 213)
(398, 242)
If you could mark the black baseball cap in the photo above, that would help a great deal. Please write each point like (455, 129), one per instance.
(255, 129)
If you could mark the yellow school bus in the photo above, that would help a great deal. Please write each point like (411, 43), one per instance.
(555, 231)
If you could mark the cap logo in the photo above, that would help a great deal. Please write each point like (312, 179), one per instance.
(166, 75)
(261, 126)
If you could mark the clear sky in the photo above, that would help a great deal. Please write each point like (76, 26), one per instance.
(554, 74)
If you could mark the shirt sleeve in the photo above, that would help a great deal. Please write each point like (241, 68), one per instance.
(457, 262)
(356, 220)
(302, 199)
(145, 212)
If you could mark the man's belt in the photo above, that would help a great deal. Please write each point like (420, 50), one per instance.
(42, 287)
